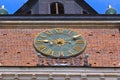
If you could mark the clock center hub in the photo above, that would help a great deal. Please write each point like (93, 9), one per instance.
(60, 42)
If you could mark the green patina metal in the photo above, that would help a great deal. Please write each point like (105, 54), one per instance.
(3, 11)
(59, 43)
(110, 10)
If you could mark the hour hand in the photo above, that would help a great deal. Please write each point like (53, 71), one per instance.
(45, 41)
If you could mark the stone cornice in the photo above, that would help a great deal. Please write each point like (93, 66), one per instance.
(63, 23)
(69, 17)
(58, 72)
(80, 21)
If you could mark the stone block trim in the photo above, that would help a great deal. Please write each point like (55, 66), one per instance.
(58, 73)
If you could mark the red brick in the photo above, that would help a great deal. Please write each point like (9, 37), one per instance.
(102, 45)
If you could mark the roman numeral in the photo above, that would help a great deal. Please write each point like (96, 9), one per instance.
(77, 48)
(70, 53)
(42, 47)
(80, 42)
(43, 36)
(60, 53)
(69, 32)
(58, 30)
(50, 52)
(48, 32)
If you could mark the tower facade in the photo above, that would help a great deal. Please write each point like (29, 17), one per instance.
(56, 7)
(59, 40)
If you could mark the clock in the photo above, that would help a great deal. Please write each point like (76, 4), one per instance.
(59, 43)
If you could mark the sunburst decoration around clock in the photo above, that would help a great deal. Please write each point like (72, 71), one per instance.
(59, 43)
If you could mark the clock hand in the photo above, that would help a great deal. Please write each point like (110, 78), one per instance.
(73, 37)
(68, 41)
(76, 36)
(46, 41)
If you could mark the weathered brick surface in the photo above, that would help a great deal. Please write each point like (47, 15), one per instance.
(16, 48)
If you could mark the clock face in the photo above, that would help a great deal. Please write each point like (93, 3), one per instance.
(59, 43)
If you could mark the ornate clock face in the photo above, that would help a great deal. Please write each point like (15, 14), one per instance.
(59, 43)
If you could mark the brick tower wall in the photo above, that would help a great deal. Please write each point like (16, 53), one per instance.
(16, 47)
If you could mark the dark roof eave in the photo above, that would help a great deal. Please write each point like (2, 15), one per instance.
(60, 17)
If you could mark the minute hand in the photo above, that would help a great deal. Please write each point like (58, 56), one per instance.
(76, 36)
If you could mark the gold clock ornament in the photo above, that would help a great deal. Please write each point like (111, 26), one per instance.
(59, 43)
